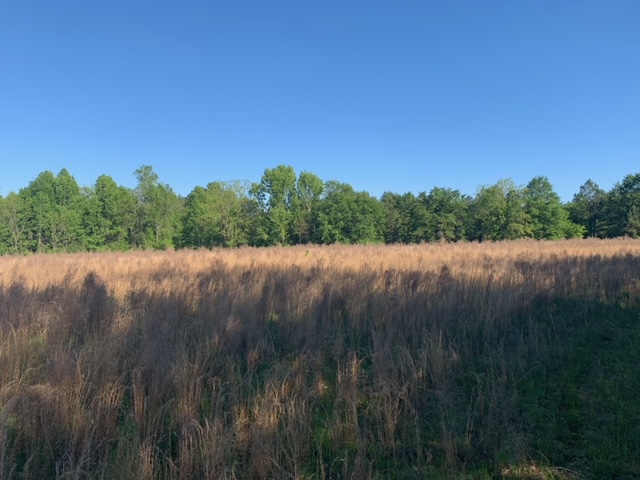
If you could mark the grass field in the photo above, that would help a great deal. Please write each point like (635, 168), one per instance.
(504, 360)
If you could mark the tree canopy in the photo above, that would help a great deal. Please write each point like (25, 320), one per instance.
(53, 213)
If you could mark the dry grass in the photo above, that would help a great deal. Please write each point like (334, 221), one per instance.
(303, 362)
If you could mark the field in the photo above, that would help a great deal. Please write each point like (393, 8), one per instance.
(495, 360)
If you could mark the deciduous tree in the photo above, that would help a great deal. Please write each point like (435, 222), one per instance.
(547, 216)
(347, 216)
(276, 194)
(587, 207)
(215, 216)
(309, 188)
(13, 224)
(159, 210)
(621, 207)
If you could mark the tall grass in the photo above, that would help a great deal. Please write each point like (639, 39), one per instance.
(317, 362)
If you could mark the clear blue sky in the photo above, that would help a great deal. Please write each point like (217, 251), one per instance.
(384, 95)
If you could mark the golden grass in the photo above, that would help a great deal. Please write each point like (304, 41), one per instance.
(122, 269)
(299, 362)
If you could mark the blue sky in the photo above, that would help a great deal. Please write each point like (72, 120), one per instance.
(384, 95)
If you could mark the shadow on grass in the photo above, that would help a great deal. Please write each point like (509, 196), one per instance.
(280, 373)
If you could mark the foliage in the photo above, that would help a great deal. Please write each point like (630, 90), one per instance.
(498, 213)
(53, 213)
(586, 208)
(549, 220)
(403, 215)
(213, 217)
(13, 224)
(621, 209)
(347, 216)
(52, 208)
(309, 188)
(276, 195)
(158, 211)
(446, 215)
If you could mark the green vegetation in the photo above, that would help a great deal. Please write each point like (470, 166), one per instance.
(513, 360)
(54, 214)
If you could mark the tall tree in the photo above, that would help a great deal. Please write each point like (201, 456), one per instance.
(215, 216)
(39, 199)
(159, 210)
(94, 225)
(255, 219)
(13, 224)
(487, 214)
(195, 228)
(110, 215)
(516, 219)
(548, 218)
(623, 203)
(276, 194)
(309, 188)
(67, 230)
(400, 212)
(53, 208)
(587, 207)
(633, 221)
(498, 213)
(347, 216)
(448, 211)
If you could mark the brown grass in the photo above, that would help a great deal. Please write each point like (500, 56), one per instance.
(303, 362)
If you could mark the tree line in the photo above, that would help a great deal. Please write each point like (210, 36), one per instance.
(54, 214)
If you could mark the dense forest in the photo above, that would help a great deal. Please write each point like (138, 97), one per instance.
(55, 214)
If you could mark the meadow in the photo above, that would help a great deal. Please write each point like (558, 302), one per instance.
(492, 360)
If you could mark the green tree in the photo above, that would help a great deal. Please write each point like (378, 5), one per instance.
(516, 219)
(548, 218)
(93, 222)
(487, 214)
(13, 224)
(67, 231)
(400, 215)
(234, 218)
(368, 218)
(334, 219)
(39, 200)
(309, 188)
(347, 216)
(623, 201)
(447, 214)
(633, 222)
(53, 208)
(195, 230)
(498, 213)
(158, 212)
(110, 215)
(254, 218)
(275, 195)
(586, 208)
(215, 216)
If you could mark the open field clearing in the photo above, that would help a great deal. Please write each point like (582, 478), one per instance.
(494, 360)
